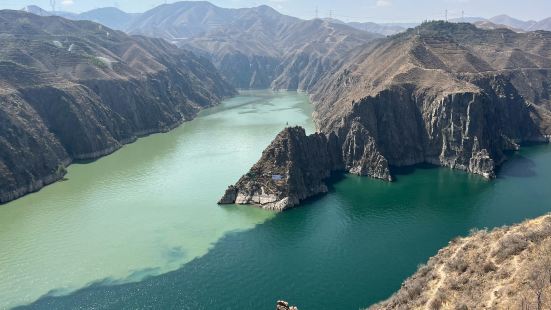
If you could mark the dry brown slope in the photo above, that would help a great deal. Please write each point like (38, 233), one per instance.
(506, 268)
(254, 47)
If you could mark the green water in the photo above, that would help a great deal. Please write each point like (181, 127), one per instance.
(146, 209)
(345, 250)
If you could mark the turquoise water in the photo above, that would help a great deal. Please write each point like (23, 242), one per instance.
(345, 250)
(144, 210)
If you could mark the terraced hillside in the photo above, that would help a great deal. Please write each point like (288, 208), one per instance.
(254, 47)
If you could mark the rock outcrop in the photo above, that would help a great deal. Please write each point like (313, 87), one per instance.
(507, 268)
(78, 90)
(293, 168)
(283, 305)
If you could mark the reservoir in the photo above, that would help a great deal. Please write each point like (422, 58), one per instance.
(141, 228)
(146, 209)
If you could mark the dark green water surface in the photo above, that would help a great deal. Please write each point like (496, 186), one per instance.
(345, 250)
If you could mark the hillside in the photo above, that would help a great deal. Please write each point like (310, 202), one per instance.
(445, 94)
(108, 16)
(507, 268)
(78, 90)
(383, 29)
(512, 22)
(254, 47)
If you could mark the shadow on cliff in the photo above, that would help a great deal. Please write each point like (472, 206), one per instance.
(517, 166)
(398, 172)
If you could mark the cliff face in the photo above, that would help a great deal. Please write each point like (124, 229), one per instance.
(507, 268)
(446, 94)
(77, 90)
(293, 168)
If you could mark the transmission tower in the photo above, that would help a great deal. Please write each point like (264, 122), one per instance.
(52, 4)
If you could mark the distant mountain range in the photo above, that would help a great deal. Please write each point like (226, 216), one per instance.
(254, 47)
(194, 17)
(109, 16)
(505, 21)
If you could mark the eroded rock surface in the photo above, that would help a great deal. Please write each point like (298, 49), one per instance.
(283, 305)
(293, 168)
(445, 94)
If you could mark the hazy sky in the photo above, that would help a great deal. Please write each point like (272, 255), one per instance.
(359, 10)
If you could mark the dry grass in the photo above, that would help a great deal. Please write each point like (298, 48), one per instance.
(507, 268)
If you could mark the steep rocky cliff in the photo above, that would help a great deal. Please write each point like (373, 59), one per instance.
(293, 168)
(445, 94)
(78, 90)
(507, 268)
(254, 47)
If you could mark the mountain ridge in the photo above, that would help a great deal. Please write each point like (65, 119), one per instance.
(254, 47)
(77, 90)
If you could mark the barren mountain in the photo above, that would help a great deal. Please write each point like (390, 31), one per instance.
(78, 90)
(383, 29)
(446, 94)
(507, 268)
(544, 24)
(512, 22)
(109, 16)
(488, 25)
(255, 47)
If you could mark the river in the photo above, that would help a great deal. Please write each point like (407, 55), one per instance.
(142, 224)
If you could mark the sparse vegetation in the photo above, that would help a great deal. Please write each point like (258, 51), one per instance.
(508, 268)
(61, 170)
(98, 62)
